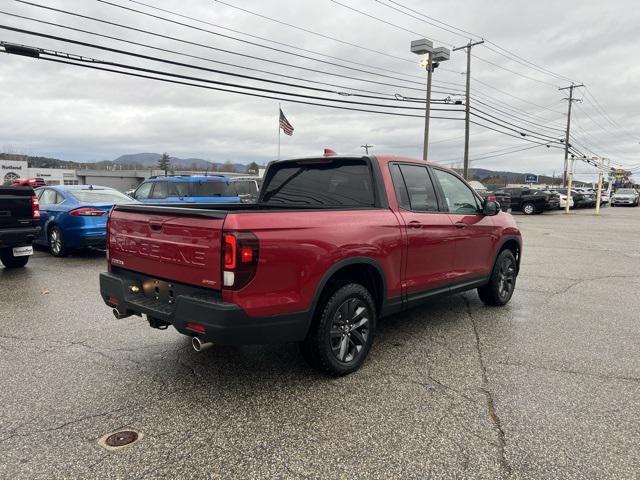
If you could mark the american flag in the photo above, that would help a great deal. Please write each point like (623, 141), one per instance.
(286, 127)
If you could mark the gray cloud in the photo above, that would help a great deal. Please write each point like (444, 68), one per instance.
(73, 113)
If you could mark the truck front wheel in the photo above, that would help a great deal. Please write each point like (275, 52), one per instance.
(9, 261)
(502, 282)
(341, 335)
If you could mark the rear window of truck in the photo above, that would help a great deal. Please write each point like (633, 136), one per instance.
(335, 184)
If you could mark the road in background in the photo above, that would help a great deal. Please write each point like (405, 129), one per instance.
(546, 387)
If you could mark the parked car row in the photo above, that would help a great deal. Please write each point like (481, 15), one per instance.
(197, 189)
(64, 218)
(534, 201)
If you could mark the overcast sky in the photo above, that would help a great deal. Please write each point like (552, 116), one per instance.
(74, 113)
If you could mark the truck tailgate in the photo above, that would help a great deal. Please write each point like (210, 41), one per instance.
(15, 206)
(165, 245)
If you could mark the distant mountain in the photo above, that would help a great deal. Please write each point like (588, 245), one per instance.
(125, 162)
(493, 177)
(149, 160)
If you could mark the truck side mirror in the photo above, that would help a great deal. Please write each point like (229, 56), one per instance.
(490, 208)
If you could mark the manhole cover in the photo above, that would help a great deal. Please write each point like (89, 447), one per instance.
(120, 439)
(117, 440)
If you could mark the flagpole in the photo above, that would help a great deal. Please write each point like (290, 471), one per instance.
(279, 110)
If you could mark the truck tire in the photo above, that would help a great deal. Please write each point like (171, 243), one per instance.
(341, 335)
(56, 242)
(528, 208)
(502, 282)
(9, 261)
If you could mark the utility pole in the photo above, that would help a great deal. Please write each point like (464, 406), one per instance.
(604, 165)
(366, 147)
(569, 184)
(467, 108)
(566, 137)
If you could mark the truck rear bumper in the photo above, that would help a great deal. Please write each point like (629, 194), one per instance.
(18, 237)
(223, 323)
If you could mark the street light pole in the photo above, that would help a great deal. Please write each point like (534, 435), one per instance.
(427, 108)
(434, 57)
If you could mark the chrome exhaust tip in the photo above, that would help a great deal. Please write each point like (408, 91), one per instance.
(119, 315)
(198, 345)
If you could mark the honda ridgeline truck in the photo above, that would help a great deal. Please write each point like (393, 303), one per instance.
(332, 245)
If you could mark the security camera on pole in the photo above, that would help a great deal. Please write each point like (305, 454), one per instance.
(434, 57)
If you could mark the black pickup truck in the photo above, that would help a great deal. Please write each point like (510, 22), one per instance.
(530, 201)
(19, 225)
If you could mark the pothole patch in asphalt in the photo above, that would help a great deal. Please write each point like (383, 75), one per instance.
(119, 440)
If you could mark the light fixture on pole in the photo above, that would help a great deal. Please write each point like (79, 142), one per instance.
(434, 57)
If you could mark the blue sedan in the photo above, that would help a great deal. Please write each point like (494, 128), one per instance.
(73, 217)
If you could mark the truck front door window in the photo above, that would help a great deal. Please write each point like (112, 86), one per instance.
(458, 197)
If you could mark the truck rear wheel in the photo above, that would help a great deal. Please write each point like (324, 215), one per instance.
(341, 335)
(9, 261)
(502, 282)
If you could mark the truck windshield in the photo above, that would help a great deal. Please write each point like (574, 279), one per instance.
(336, 184)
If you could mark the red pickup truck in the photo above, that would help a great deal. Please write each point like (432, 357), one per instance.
(332, 245)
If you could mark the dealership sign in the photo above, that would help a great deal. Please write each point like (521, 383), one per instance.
(530, 178)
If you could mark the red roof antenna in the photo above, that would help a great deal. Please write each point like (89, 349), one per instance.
(329, 153)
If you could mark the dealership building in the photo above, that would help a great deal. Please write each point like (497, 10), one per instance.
(11, 170)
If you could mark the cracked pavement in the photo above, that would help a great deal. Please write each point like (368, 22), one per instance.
(546, 387)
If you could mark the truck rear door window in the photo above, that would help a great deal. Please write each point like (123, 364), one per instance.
(334, 184)
(421, 194)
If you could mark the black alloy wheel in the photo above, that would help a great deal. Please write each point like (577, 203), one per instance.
(350, 330)
(342, 330)
(502, 283)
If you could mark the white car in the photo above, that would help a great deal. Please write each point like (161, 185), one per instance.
(625, 196)
(563, 201)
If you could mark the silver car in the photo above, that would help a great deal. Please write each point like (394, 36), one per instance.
(625, 196)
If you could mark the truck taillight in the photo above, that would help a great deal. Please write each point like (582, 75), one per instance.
(240, 259)
(35, 207)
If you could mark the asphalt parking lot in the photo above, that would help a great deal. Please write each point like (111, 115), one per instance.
(547, 387)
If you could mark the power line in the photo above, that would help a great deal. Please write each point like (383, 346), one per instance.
(252, 57)
(180, 64)
(513, 71)
(513, 127)
(519, 137)
(73, 60)
(380, 95)
(469, 35)
(504, 112)
(312, 32)
(267, 39)
(496, 153)
(246, 41)
(399, 27)
(514, 96)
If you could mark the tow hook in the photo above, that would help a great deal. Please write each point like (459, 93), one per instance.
(198, 345)
(157, 323)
